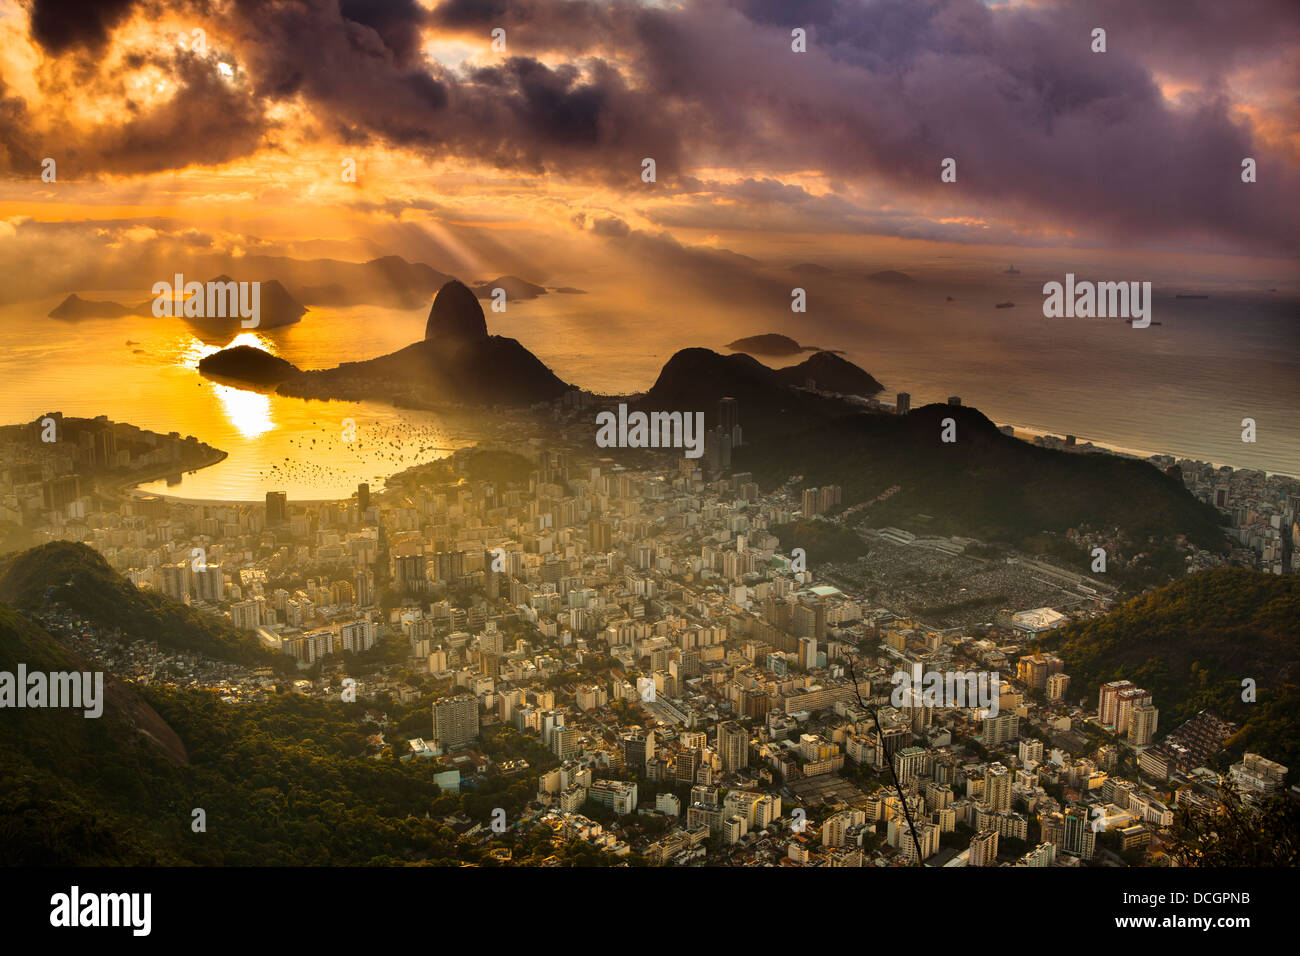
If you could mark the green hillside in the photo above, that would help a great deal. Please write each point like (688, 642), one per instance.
(282, 783)
(78, 576)
(72, 783)
(1191, 643)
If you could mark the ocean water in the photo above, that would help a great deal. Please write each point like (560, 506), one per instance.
(1181, 387)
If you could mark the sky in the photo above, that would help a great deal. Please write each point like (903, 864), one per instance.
(224, 126)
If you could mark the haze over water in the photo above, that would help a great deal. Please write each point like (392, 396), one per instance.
(1181, 387)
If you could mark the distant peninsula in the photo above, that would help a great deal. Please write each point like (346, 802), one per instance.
(892, 276)
(75, 307)
(277, 307)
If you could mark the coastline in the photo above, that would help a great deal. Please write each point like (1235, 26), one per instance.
(130, 487)
(1029, 434)
(456, 417)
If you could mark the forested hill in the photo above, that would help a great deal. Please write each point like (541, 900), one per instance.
(77, 576)
(1192, 643)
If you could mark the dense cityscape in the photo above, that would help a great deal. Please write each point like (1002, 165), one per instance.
(683, 687)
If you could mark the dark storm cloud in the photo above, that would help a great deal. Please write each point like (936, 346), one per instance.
(1042, 128)
(1200, 37)
(1039, 125)
(59, 25)
(397, 22)
(207, 121)
(580, 27)
(611, 227)
(15, 137)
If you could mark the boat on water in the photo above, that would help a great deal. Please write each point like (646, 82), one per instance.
(1182, 296)
(1011, 271)
(1004, 305)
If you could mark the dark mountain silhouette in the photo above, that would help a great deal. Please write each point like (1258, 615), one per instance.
(276, 307)
(456, 317)
(830, 373)
(984, 484)
(703, 376)
(458, 362)
(695, 379)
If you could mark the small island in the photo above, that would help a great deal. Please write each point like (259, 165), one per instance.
(248, 364)
(770, 343)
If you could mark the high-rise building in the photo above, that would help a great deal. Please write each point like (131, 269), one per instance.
(685, 765)
(890, 742)
(358, 636)
(637, 749)
(984, 848)
(277, 508)
(60, 491)
(809, 621)
(409, 569)
(1077, 837)
(455, 721)
(816, 501)
(733, 746)
(1001, 729)
(209, 583)
(363, 497)
(564, 742)
(717, 449)
(600, 536)
(618, 795)
(1108, 701)
(755, 704)
(362, 589)
(246, 615)
(909, 764)
(1142, 725)
(177, 580)
(808, 652)
(1129, 699)
(1057, 685)
(1031, 749)
(997, 788)
(903, 404)
(729, 419)
(1035, 669)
